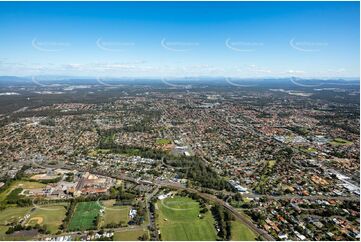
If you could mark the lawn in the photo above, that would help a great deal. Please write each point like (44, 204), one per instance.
(178, 220)
(114, 214)
(163, 141)
(130, 235)
(271, 163)
(84, 216)
(241, 232)
(339, 141)
(13, 214)
(3, 229)
(50, 215)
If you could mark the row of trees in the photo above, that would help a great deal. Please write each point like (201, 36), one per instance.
(43, 229)
(69, 212)
(223, 219)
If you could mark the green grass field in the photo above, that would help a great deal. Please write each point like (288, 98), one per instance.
(163, 141)
(241, 232)
(84, 216)
(339, 141)
(114, 214)
(3, 229)
(178, 220)
(50, 215)
(20, 184)
(13, 214)
(130, 235)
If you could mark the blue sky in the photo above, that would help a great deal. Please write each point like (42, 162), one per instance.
(153, 39)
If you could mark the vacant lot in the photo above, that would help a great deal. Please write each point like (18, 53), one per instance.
(84, 217)
(114, 214)
(50, 215)
(178, 220)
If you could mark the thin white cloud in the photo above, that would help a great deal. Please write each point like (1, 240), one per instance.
(298, 72)
(142, 68)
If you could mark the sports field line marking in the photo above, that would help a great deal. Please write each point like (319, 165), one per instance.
(177, 209)
(47, 209)
(39, 220)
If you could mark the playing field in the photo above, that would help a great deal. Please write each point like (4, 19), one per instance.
(178, 220)
(84, 216)
(13, 214)
(114, 214)
(130, 235)
(241, 232)
(50, 215)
